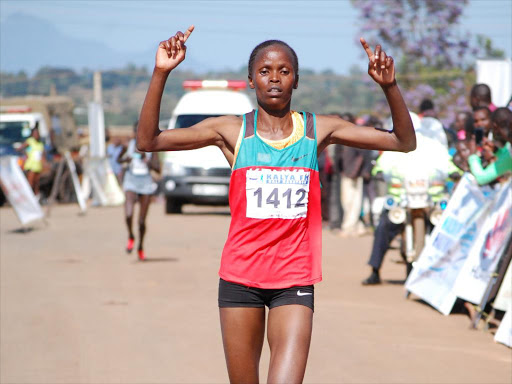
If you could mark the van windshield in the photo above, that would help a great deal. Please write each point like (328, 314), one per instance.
(185, 121)
(14, 132)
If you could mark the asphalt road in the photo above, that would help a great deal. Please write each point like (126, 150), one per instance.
(75, 308)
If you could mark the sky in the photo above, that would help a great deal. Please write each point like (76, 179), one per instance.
(323, 33)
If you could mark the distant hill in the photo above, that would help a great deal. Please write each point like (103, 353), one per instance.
(28, 43)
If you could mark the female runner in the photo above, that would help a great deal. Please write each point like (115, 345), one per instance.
(272, 256)
(138, 185)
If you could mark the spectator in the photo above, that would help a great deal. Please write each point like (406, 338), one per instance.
(480, 96)
(335, 153)
(502, 164)
(114, 149)
(370, 182)
(482, 121)
(427, 109)
(395, 167)
(464, 125)
(33, 166)
(352, 188)
(460, 158)
(324, 170)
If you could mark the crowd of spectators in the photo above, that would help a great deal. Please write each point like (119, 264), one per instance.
(479, 141)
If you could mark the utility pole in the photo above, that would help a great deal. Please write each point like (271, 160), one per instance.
(97, 88)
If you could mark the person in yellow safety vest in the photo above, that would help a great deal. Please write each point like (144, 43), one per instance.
(431, 158)
(34, 149)
(394, 177)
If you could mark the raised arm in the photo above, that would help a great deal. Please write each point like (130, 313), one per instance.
(170, 54)
(333, 130)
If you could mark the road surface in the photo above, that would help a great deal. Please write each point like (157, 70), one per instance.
(75, 308)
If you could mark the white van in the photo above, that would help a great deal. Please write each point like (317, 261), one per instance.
(16, 126)
(201, 176)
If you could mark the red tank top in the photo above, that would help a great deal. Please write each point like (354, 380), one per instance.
(275, 234)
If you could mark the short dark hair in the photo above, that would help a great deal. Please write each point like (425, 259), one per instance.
(482, 92)
(482, 108)
(502, 117)
(268, 43)
(426, 105)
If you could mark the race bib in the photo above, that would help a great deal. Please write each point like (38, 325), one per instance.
(139, 167)
(277, 194)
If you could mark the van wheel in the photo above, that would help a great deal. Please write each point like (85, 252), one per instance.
(172, 205)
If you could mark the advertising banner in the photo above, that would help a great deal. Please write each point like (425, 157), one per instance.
(106, 189)
(76, 182)
(487, 249)
(96, 130)
(434, 274)
(504, 333)
(497, 74)
(504, 297)
(18, 192)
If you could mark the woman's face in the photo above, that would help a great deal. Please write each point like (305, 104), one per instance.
(35, 134)
(273, 77)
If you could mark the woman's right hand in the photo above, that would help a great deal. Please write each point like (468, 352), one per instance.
(172, 52)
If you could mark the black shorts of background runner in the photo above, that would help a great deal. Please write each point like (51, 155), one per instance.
(237, 295)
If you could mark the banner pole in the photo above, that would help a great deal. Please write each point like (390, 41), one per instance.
(55, 186)
(494, 282)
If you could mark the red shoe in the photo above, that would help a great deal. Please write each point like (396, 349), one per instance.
(129, 245)
(142, 256)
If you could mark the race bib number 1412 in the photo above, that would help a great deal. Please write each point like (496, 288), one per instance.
(277, 194)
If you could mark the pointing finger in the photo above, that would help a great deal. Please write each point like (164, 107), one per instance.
(188, 33)
(366, 48)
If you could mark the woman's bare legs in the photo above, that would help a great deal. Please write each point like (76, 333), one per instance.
(33, 180)
(144, 201)
(289, 338)
(243, 332)
(129, 205)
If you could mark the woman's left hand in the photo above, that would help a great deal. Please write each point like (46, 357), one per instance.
(381, 67)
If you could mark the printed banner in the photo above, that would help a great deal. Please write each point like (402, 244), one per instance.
(106, 189)
(504, 332)
(76, 182)
(434, 274)
(18, 192)
(504, 297)
(96, 130)
(487, 249)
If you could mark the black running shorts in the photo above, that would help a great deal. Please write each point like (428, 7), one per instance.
(237, 295)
